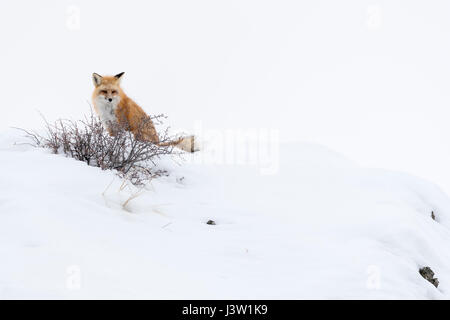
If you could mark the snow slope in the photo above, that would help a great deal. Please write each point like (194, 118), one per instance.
(320, 227)
(367, 78)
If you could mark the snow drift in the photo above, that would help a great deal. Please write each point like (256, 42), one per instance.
(319, 227)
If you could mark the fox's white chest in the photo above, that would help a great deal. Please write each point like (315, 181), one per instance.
(106, 111)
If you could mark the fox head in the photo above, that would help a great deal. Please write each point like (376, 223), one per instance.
(107, 88)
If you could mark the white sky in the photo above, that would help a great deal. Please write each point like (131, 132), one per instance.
(369, 79)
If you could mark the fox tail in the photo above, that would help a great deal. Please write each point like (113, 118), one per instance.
(184, 143)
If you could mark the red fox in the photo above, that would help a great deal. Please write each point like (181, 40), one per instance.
(113, 106)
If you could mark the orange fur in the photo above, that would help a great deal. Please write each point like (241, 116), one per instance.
(111, 102)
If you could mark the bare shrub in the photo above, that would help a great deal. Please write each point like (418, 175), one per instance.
(88, 141)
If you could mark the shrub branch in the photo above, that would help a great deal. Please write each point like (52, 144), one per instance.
(86, 140)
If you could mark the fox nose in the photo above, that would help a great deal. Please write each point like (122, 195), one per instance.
(110, 99)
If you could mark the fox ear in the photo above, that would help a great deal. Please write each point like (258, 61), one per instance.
(119, 75)
(97, 79)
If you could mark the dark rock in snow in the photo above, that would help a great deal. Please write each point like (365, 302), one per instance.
(433, 216)
(211, 222)
(428, 275)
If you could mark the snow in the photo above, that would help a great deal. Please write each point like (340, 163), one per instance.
(368, 79)
(320, 227)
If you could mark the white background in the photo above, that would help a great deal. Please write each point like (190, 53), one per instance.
(370, 79)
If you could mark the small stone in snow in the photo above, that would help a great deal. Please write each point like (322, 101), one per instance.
(211, 222)
(428, 275)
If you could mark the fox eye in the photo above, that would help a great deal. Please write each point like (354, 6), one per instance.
(103, 92)
(114, 92)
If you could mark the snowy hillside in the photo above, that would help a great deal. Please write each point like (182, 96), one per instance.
(369, 79)
(319, 227)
